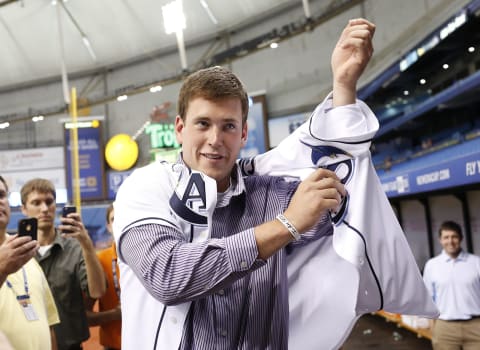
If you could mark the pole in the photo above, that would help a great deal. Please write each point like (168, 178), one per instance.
(74, 151)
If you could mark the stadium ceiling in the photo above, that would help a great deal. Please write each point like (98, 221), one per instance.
(99, 34)
(105, 35)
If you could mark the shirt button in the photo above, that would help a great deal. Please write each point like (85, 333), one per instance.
(243, 264)
(221, 292)
(361, 261)
(173, 319)
(223, 333)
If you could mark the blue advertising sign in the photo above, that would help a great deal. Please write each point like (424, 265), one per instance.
(463, 170)
(114, 180)
(91, 162)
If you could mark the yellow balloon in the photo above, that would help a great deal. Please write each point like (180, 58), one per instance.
(121, 152)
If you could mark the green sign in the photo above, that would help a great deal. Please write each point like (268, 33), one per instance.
(162, 135)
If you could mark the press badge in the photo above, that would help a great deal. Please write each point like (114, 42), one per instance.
(27, 307)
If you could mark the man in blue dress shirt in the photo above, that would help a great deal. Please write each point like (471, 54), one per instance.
(453, 279)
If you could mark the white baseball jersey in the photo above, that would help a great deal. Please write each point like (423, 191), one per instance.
(366, 265)
(156, 194)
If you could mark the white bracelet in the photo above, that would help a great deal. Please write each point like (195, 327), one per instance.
(293, 231)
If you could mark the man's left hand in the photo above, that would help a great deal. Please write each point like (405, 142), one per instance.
(74, 226)
(351, 55)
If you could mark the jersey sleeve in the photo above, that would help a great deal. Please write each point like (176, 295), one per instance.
(328, 136)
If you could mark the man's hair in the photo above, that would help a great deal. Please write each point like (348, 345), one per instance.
(4, 182)
(450, 226)
(213, 84)
(109, 210)
(39, 185)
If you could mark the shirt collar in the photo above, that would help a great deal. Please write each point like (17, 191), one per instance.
(236, 188)
(59, 240)
(461, 256)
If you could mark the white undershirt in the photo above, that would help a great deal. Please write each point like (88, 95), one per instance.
(44, 249)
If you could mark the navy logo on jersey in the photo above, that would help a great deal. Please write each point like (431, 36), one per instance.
(344, 171)
(323, 151)
(322, 156)
(247, 166)
(193, 201)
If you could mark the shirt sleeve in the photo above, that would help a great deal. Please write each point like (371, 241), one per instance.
(322, 228)
(175, 271)
(82, 271)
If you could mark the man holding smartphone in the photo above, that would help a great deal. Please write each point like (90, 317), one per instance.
(68, 260)
(26, 302)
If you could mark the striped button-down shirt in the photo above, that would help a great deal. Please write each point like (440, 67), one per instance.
(238, 301)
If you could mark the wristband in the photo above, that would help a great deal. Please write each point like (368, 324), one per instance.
(293, 231)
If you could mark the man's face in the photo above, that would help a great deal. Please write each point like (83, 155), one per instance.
(41, 206)
(4, 207)
(110, 221)
(450, 241)
(212, 135)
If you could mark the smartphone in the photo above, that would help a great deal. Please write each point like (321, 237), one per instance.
(28, 227)
(67, 210)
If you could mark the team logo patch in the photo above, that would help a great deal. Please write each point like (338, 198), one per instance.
(323, 154)
(191, 205)
(344, 171)
(340, 162)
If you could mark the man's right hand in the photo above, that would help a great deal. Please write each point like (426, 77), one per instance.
(319, 192)
(14, 253)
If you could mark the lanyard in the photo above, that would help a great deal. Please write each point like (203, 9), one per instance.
(25, 286)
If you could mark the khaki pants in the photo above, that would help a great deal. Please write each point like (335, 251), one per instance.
(456, 335)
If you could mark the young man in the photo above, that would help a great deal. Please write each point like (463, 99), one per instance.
(68, 260)
(209, 270)
(27, 308)
(109, 314)
(453, 279)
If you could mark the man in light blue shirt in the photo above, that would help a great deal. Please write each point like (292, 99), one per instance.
(453, 279)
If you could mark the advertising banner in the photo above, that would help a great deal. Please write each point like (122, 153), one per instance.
(114, 180)
(91, 162)
(22, 165)
(463, 170)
